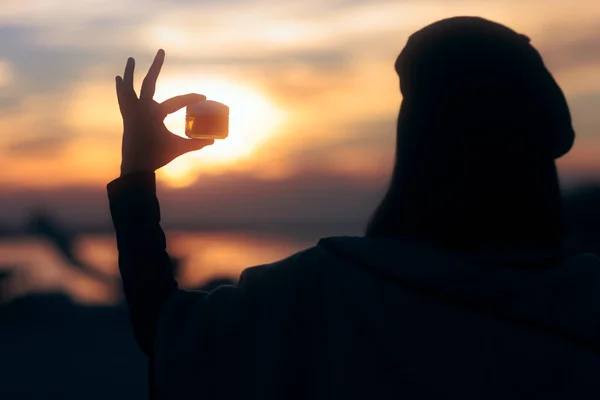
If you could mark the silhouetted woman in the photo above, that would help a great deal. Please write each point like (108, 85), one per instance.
(461, 288)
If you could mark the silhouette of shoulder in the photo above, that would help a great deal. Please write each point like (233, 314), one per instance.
(282, 274)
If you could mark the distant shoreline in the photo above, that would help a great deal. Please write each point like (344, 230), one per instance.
(288, 229)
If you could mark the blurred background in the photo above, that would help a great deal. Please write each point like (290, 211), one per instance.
(313, 98)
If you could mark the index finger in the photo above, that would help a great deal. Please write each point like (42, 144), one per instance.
(149, 83)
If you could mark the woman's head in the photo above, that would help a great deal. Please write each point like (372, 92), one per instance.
(480, 125)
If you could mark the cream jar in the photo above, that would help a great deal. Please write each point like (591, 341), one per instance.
(207, 119)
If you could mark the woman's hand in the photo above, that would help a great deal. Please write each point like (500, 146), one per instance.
(147, 143)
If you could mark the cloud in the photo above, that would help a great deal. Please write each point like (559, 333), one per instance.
(311, 196)
(92, 108)
(212, 29)
(41, 69)
(33, 128)
(365, 147)
(42, 146)
(216, 201)
(326, 63)
(7, 74)
(324, 59)
(48, 13)
(308, 196)
(53, 41)
(573, 50)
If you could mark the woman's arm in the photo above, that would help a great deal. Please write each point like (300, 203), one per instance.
(144, 264)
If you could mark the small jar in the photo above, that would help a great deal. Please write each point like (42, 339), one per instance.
(207, 119)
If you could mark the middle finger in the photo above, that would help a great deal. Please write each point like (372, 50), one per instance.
(149, 84)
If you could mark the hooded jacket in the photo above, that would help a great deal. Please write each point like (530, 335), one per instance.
(368, 318)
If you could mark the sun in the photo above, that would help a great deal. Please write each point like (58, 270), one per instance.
(253, 119)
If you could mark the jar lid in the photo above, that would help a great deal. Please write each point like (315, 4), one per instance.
(208, 107)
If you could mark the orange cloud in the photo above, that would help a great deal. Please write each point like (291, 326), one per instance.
(7, 74)
(319, 67)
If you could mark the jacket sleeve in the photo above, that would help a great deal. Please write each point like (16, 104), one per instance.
(145, 266)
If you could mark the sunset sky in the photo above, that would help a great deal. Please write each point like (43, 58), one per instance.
(310, 83)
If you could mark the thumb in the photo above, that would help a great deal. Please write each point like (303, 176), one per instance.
(188, 145)
(178, 102)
